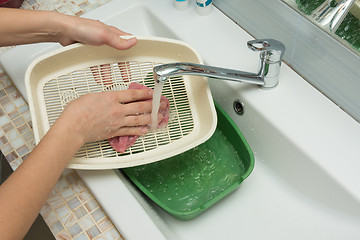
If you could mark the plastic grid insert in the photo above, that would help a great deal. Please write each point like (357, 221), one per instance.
(58, 92)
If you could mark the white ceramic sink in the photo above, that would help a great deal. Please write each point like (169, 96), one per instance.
(306, 181)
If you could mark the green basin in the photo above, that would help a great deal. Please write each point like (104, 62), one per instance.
(189, 183)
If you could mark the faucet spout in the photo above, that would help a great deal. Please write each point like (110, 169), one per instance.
(267, 76)
(164, 71)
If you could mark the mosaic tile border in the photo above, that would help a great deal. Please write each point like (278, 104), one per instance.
(71, 211)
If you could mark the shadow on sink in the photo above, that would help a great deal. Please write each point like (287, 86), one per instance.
(140, 21)
(294, 167)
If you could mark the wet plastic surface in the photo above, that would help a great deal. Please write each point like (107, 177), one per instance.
(189, 183)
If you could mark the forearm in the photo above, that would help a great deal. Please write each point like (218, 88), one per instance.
(26, 190)
(29, 26)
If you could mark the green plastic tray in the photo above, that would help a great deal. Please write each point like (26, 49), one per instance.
(189, 183)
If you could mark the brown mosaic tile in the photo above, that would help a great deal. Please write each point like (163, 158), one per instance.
(2, 93)
(69, 220)
(15, 95)
(73, 203)
(74, 230)
(23, 150)
(11, 156)
(31, 2)
(64, 235)
(98, 214)
(55, 201)
(79, 13)
(91, 205)
(8, 108)
(84, 5)
(5, 82)
(23, 129)
(8, 127)
(15, 164)
(86, 222)
(4, 100)
(93, 232)
(50, 218)
(14, 114)
(23, 109)
(18, 122)
(80, 212)
(45, 209)
(6, 148)
(56, 227)
(36, 7)
(105, 224)
(10, 89)
(28, 137)
(3, 140)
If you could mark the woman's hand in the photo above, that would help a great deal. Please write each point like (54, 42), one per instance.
(30, 26)
(97, 116)
(88, 31)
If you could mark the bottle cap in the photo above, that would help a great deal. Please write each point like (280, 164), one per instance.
(181, 4)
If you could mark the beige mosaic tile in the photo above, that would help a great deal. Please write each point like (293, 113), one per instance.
(71, 211)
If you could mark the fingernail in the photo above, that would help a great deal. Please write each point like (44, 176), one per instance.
(132, 40)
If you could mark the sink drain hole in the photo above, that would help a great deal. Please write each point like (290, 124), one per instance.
(238, 107)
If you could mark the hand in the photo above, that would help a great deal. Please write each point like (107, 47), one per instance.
(97, 116)
(30, 26)
(94, 33)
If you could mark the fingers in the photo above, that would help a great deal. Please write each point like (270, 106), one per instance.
(118, 42)
(113, 40)
(118, 32)
(132, 131)
(136, 125)
(135, 108)
(133, 95)
(140, 120)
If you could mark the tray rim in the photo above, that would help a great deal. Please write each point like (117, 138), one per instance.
(115, 164)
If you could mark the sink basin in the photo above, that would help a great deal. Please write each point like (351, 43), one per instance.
(305, 183)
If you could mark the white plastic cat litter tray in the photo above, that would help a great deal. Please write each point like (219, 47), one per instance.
(56, 78)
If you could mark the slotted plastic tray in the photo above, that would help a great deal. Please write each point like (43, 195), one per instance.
(55, 79)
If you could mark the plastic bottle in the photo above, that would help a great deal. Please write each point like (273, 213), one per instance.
(181, 4)
(203, 7)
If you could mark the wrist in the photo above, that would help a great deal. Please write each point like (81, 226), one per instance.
(61, 25)
(66, 134)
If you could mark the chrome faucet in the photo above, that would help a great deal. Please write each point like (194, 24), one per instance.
(271, 53)
(330, 16)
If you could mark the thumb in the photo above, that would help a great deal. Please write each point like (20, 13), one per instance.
(121, 43)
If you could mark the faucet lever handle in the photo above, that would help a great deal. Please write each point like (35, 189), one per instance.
(272, 49)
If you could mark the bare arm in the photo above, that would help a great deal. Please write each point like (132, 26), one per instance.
(91, 117)
(29, 26)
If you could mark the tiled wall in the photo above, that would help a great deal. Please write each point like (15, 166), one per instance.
(71, 211)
